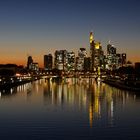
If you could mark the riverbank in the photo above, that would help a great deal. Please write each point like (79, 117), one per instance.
(124, 85)
(7, 84)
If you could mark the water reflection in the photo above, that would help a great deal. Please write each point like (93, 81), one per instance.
(98, 100)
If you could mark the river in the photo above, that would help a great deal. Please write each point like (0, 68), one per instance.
(69, 109)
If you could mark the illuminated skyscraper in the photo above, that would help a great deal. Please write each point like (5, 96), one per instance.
(97, 54)
(31, 65)
(114, 59)
(92, 48)
(70, 61)
(91, 38)
(111, 49)
(60, 60)
(35, 67)
(82, 53)
(111, 57)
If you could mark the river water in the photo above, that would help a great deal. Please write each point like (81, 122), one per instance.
(69, 109)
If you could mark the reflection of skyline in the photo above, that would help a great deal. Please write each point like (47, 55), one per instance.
(70, 93)
(98, 100)
(94, 104)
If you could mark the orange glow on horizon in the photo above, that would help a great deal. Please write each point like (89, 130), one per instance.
(17, 52)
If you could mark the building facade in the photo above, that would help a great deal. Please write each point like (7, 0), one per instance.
(111, 57)
(60, 61)
(82, 54)
(70, 61)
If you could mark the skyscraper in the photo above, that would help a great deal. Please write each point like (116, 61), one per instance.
(35, 67)
(111, 49)
(123, 59)
(118, 61)
(60, 60)
(92, 48)
(48, 62)
(97, 54)
(82, 53)
(70, 61)
(87, 62)
(29, 62)
(111, 57)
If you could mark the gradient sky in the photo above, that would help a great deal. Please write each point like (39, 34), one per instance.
(38, 27)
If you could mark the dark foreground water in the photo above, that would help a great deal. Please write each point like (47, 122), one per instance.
(71, 109)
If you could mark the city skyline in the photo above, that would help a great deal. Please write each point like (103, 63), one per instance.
(37, 27)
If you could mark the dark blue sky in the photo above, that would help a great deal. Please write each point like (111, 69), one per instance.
(38, 27)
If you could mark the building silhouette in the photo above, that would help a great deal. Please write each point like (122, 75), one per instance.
(96, 62)
(48, 62)
(29, 62)
(87, 63)
(124, 59)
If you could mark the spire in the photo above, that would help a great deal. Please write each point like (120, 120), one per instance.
(91, 37)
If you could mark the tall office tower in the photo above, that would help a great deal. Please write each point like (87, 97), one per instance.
(48, 62)
(111, 49)
(111, 57)
(61, 60)
(99, 56)
(82, 53)
(29, 62)
(118, 61)
(92, 49)
(123, 59)
(70, 61)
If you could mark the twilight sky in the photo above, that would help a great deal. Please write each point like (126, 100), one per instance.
(38, 27)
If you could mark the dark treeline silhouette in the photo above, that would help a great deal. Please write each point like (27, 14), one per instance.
(6, 72)
(11, 69)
